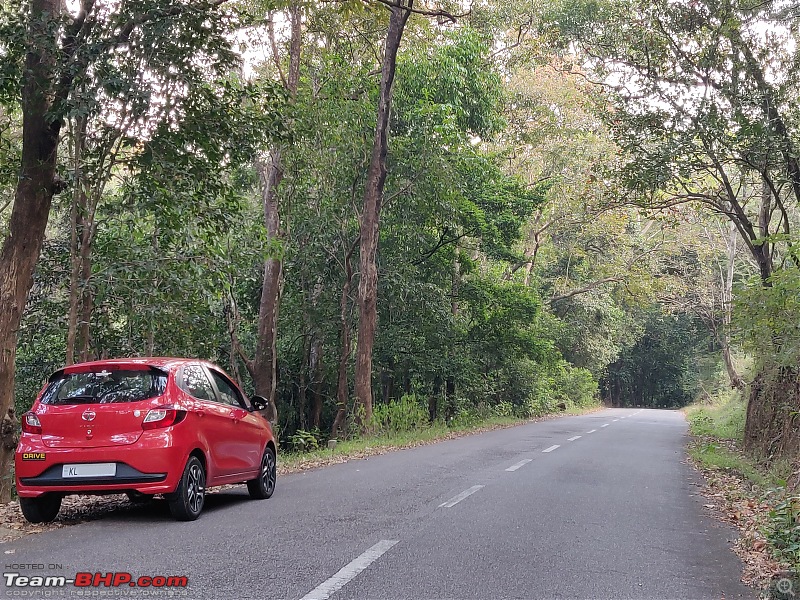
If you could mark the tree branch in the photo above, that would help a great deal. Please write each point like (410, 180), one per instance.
(587, 288)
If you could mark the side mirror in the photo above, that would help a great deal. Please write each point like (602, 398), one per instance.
(259, 402)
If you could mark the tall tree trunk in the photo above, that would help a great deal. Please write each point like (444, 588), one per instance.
(433, 399)
(87, 295)
(316, 369)
(370, 220)
(89, 189)
(727, 309)
(450, 382)
(77, 211)
(302, 387)
(342, 395)
(264, 367)
(32, 199)
(315, 355)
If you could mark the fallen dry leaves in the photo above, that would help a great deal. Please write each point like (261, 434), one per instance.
(735, 500)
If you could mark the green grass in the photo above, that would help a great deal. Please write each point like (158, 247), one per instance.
(715, 456)
(720, 426)
(723, 418)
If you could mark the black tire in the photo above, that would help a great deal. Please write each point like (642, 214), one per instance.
(41, 509)
(138, 497)
(186, 502)
(263, 486)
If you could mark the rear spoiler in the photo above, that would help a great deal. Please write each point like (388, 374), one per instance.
(88, 368)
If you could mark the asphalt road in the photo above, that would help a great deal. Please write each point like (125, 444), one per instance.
(597, 506)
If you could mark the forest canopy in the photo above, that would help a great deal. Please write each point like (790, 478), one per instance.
(356, 206)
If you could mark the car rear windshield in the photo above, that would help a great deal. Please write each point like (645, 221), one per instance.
(105, 387)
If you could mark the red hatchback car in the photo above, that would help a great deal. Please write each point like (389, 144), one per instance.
(142, 426)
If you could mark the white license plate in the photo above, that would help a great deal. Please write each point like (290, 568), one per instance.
(89, 470)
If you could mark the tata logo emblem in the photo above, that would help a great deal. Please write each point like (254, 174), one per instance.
(89, 415)
(33, 456)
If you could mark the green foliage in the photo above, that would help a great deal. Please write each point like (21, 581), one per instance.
(503, 409)
(576, 386)
(448, 85)
(551, 386)
(305, 441)
(723, 419)
(765, 318)
(783, 531)
(713, 455)
(660, 369)
(407, 413)
(41, 346)
(468, 415)
(595, 330)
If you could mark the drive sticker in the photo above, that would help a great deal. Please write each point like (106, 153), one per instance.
(33, 456)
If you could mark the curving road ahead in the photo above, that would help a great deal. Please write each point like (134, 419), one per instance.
(596, 506)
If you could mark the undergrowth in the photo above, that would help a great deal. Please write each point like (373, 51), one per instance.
(717, 424)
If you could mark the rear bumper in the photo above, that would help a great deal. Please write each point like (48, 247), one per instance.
(126, 475)
(151, 466)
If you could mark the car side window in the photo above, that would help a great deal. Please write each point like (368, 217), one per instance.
(197, 384)
(228, 394)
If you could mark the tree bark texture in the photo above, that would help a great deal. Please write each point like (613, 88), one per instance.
(370, 220)
(29, 215)
(342, 389)
(727, 310)
(264, 366)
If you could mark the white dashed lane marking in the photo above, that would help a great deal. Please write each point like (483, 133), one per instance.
(456, 499)
(605, 424)
(551, 448)
(573, 438)
(591, 431)
(347, 573)
(521, 463)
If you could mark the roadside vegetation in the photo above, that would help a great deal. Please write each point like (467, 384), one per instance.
(405, 423)
(752, 492)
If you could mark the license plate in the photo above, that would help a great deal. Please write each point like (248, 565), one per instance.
(89, 470)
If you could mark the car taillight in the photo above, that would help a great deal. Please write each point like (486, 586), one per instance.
(157, 418)
(30, 423)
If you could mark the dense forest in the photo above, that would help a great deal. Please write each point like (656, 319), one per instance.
(450, 209)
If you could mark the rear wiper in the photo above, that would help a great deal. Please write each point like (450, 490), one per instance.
(84, 399)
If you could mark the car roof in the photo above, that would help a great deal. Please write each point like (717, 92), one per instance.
(160, 362)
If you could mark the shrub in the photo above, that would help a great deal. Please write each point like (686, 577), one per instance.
(503, 409)
(576, 386)
(783, 531)
(305, 441)
(406, 414)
